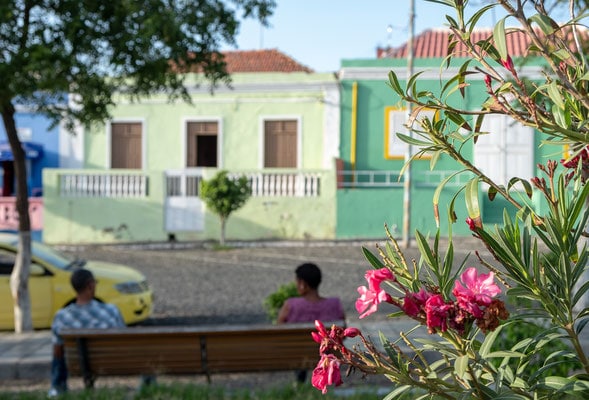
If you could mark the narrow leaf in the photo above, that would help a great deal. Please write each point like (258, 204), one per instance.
(472, 199)
(499, 38)
(460, 366)
(372, 259)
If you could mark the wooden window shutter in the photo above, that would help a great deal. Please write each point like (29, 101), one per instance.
(126, 145)
(280, 144)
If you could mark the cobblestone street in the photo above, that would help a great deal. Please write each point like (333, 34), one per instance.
(205, 286)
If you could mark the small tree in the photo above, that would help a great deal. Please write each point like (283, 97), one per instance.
(223, 195)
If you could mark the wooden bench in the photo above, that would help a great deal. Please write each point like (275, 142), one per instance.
(91, 353)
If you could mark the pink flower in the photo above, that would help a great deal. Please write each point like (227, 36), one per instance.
(369, 300)
(373, 295)
(573, 162)
(330, 339)
(478, 290)
(376, 276)
(414, 303)
(437, 312)
(326, 373)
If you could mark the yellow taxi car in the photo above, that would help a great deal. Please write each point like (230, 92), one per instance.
(50, 288)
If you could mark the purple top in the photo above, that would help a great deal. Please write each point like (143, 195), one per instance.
(301, 310)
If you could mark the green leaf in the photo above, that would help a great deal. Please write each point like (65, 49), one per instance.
(413, 141)
(524, 182)
(460, 365)
(412, 80)
(488, 342)
(582, 290)
(499, 38)
(545, 23)
(562, 54)
(510, 396)
(472, 198)
(397, 392)
(437, 193)
(372, 259)
(581, 325)
(505, 354)
(425, 250)
(492, 193)
(394, 82)
(472, 22)
(434, 160)
(555, 94)
(554, 382)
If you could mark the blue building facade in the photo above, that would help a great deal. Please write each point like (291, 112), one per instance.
(41, 144)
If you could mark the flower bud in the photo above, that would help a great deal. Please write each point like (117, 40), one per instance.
(488, 83)
(351, 332)
(508, 64)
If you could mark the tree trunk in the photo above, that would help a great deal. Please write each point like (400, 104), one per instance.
(20, 274)
(222, 241)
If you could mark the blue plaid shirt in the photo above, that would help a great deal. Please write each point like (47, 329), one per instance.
(92, 315)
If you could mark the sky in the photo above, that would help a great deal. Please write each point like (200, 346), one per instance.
(320, 33)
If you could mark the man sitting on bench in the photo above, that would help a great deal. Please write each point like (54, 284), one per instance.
(85, 312)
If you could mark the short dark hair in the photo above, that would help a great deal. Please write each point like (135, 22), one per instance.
(310, 274)
(80, 279)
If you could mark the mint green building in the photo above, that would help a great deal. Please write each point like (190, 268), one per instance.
(140, 172)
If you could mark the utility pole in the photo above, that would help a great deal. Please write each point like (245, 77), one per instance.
(409, 149)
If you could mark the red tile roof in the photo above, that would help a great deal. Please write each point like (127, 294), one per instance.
(269, 60)
(433, 43)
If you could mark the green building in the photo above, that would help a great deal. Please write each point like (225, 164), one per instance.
(371, 187)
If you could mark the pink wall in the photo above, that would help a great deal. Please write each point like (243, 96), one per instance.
(9, 216)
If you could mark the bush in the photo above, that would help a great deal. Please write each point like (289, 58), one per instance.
(273, 303)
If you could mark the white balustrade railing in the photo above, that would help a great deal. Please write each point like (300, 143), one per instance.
(434, 178)
(369, 178)
(186, 183)
(102, 185)
(284, 184)
(183, 183)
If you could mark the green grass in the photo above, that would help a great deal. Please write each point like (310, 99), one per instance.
(187, 391)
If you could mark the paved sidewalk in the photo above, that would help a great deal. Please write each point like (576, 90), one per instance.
(25, 356)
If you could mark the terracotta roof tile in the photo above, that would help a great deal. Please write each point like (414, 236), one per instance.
(269, 60)
(433, 43)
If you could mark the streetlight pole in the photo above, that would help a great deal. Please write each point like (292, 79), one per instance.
(408, 149)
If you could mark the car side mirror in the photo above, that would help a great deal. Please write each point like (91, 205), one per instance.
(37, 270)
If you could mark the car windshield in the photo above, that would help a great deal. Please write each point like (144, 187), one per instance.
(52, 256)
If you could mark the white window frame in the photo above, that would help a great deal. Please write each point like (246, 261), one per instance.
(395, 148)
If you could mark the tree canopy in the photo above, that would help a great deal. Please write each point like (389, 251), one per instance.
(223, 195)
(93, 48)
